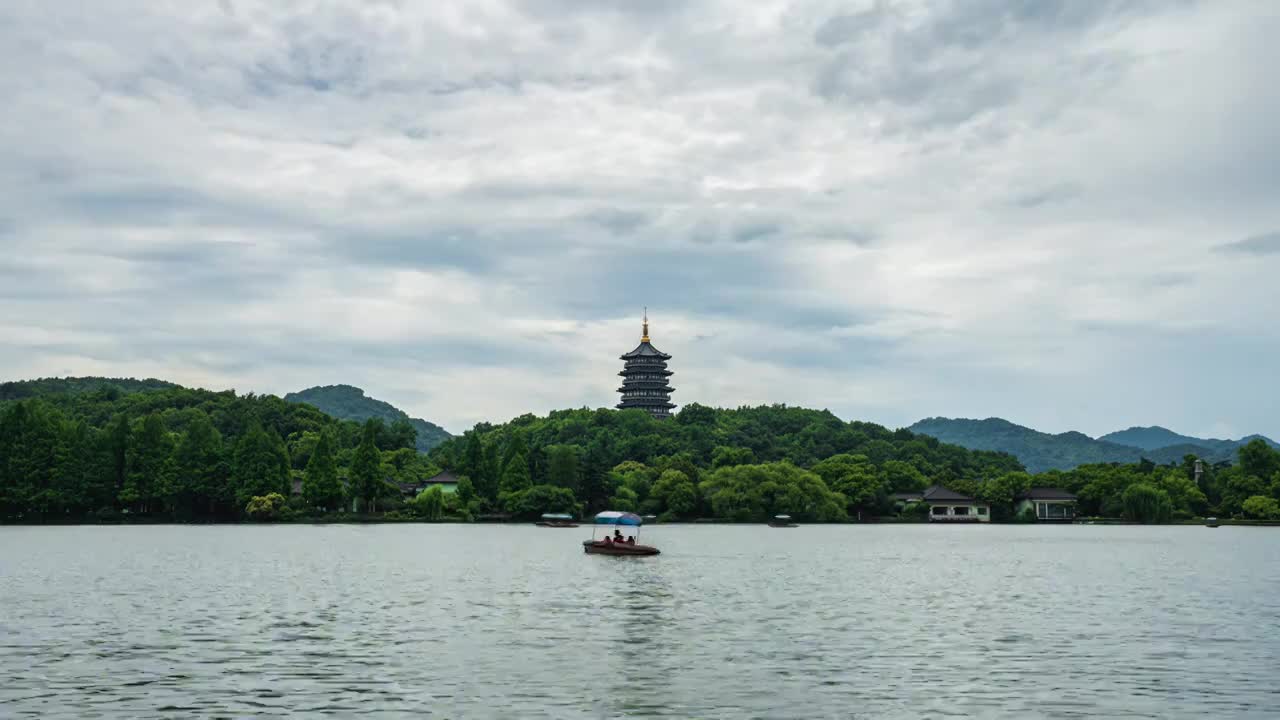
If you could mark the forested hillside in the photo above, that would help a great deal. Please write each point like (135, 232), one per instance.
(751, 463)
(743, 464)
(346, 402)
(1038, 451)
(171, 453)
(181, 454)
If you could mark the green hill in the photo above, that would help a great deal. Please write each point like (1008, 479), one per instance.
(95, 453)
(1038, 451)
(1043, 451)
(347, 402)
(744, 464)
(23, 389)
(1156, 437)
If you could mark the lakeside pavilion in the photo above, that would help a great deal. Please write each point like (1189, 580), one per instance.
(947, 505)
(646, 381)
(1049, 504)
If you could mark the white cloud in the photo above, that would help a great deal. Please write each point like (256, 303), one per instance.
(1055, 212)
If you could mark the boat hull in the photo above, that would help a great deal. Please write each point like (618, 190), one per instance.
(596, 547)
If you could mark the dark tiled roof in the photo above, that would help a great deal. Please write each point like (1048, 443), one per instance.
(1046, 493)
(644, 349)
(443, 478)
(937, 493)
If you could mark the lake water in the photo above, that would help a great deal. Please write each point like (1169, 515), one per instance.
(730, 621)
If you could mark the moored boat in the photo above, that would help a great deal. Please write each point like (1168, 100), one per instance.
(1211, 522)
(557, 520)
(617, 544)
(782, 521)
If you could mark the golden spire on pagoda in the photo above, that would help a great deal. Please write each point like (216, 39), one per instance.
(645, 336)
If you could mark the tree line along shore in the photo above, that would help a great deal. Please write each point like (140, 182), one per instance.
(174, 454)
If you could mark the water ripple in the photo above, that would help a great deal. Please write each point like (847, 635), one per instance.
(730, 622)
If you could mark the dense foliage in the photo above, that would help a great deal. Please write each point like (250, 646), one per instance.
(744, 464)
(96, 452)
(23, 389)
(1040, 451)
(1222, 489)
(350, 403)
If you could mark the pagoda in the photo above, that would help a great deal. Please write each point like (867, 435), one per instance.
(645, 378)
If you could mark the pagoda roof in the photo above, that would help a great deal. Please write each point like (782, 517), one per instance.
(645, 349)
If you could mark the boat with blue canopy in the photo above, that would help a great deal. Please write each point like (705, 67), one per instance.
(616, 543)
(782, 521)
(557, 520)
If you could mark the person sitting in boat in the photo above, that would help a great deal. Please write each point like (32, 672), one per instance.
(617, 535)
(608, 540)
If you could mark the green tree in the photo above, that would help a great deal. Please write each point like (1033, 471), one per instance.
(999, 492)
(119, 437)
(401, 434)
(260, 465)
(149, 482)
(564, 466)
(201, 486)
(265, 507)
(1259, 459)
(723, 456)
(515, 476)
(74, 483)
(473, 454)
(366, 469)
(429, 503)
(1187, 498)
(1261, 508)
(635, 477)
(625, 500)
(757, 492)
(534, 501)
(1239, 487)
(901, 476)
(465, 491)
(856, 478)
(490, 472)
(1146, 503)
(675, 493)
(321, 487)
(515, 445)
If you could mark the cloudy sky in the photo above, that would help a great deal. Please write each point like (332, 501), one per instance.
(1065, 213)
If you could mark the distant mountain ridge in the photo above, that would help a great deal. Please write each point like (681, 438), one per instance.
(1040, 451)
(347, 402)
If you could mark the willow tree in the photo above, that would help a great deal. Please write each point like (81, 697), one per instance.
(1146, 504)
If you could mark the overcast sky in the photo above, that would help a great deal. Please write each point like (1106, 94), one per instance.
(1065, 213)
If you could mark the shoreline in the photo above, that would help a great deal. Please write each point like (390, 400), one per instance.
(379, 520)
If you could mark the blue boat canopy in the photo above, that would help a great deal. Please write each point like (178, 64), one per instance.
(556, 516)
(613, 517)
